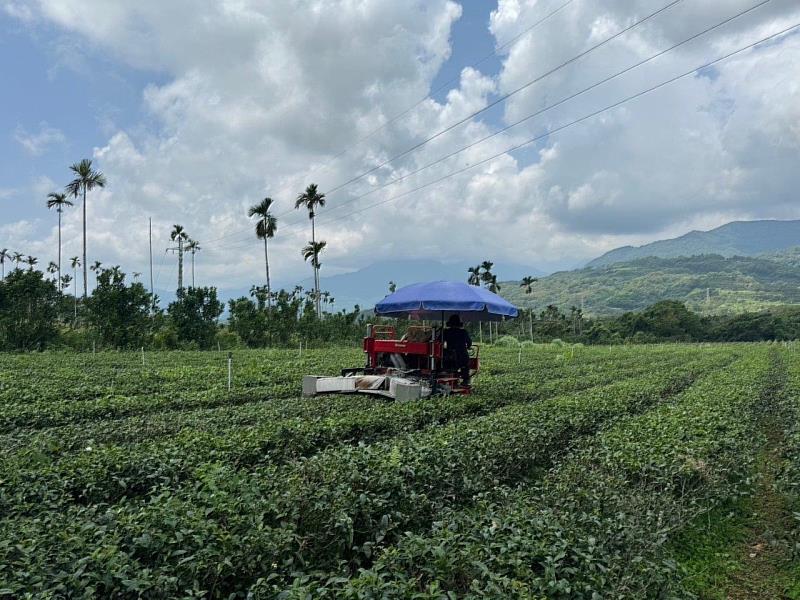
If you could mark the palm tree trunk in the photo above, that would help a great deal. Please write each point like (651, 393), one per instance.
(85, 264)
(193, 269)
(266, 265)
(316, 268)
(317, 295)
(180, 264)
(75, 287)
(59, 249)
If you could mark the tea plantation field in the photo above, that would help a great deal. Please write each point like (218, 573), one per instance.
(622, 472)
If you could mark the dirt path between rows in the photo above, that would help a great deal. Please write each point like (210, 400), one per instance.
(764, 556)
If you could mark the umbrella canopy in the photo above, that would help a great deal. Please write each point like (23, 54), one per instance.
(440, 299)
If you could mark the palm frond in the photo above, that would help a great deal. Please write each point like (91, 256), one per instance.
(86, 180)
(311, 198)
(57, 200)
(178, 233)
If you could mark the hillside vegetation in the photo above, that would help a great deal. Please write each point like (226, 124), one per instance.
(707, 284)
(739, 238)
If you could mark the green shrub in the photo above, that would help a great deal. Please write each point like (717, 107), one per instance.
(507, 340)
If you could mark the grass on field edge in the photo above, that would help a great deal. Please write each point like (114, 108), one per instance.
(741, 550)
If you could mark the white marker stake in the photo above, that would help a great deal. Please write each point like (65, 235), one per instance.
(142, 355)
(519, 356)
(230, 370)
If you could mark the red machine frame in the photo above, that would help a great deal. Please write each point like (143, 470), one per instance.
(385, 354)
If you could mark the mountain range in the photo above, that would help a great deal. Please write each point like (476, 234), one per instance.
(740, 266)
(738, 238)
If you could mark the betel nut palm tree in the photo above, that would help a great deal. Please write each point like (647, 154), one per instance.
(179, 235)
(527, 283)
(193, 246)
(266, 227)
(59, 202)
(311, 252)
(75, 263)
(311, 198)
(86, 179)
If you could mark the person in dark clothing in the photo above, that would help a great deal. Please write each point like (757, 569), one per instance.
(456, 347)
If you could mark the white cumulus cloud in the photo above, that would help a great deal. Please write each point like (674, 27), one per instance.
(37, 142)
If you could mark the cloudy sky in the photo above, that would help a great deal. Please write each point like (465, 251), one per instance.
(196, 110)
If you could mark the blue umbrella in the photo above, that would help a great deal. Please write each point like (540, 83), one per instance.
(440, 299)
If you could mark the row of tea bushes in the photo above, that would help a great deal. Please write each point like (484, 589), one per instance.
(219, 532)
(597, 524)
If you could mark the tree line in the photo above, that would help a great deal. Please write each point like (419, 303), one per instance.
(665, 321)
(122, 314)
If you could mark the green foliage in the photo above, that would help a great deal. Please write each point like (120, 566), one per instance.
(247, 322)
(228, 340)
(28, 311)
(664, 321)
(194, 316)
(120, 313)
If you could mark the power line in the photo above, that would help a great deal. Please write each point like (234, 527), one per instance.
(547, 108)
(506, 96)
(571, 123)
(488, 106)
(551, 106)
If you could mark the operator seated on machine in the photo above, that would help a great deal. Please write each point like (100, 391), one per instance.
(457, 344)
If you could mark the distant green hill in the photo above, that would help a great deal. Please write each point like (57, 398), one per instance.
(707, 284)
(740, 238)
(790, 256)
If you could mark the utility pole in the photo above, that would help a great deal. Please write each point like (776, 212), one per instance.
(152, 295)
